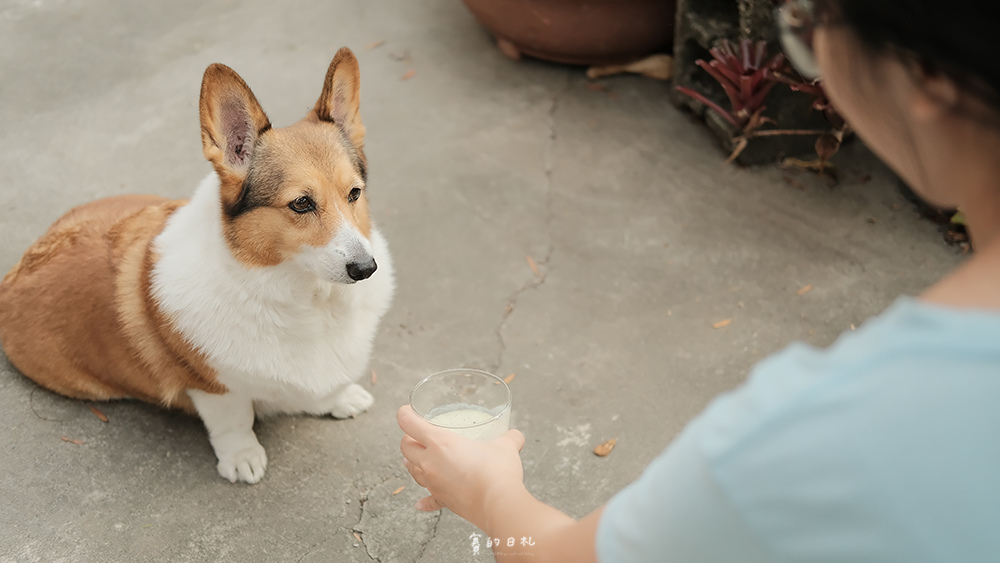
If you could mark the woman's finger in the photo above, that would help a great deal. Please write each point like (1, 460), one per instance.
(415, 472)
(414, 425)
(429, 504)
(412, 450)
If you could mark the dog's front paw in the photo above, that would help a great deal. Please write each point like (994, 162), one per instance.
(351, 401)
(245, 465)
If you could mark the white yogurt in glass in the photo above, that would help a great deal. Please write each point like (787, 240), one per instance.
(471, 422)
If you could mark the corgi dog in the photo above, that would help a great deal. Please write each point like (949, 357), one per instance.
(260, 295)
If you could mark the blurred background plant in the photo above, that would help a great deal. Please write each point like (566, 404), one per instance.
(747, 79)
(828, 143)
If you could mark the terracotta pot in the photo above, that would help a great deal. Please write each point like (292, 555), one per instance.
(584, 32)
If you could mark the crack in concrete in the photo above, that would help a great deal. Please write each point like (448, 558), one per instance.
(306, 554)
(361, 515)
(423, 547)
(538, 280)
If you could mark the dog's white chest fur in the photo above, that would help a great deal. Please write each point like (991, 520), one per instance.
(270, 332)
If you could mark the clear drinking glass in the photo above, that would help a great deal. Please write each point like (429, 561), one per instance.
(470, 402)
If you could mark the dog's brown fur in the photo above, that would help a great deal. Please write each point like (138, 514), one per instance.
(76, 314)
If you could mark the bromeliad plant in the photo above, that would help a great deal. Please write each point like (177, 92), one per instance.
(747, 79)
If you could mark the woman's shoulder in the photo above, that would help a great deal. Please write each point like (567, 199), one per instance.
(889, 430)
(907, 355)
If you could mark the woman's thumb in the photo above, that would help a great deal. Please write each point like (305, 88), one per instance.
(429, 504)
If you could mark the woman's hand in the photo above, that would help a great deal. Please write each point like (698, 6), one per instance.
(462, 475)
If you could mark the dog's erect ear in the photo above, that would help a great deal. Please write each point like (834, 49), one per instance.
(231, 121)
(341, 96)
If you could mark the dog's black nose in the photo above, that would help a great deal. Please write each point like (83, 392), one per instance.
(361, 270)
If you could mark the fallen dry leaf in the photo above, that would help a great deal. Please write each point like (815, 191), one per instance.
(509, 378)
(533, 266)
(374, 377)
(397, 491)
(722, 323)
(660, 67)
(827, 145)
(77, 442)
(356, 536)
(99, 414)
(376, 44)
(814, 165)
(805, 289)
(605, 448)
(409, 74)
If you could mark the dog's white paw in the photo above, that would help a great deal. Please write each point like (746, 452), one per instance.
(351, 401)
(247, 464)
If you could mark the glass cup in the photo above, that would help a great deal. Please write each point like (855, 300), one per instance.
(470, 402)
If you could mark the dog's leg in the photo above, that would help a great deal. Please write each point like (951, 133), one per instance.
(229, 420)
(350, 401)
(346, 402)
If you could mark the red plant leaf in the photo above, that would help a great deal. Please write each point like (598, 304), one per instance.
(730, 49)
(728, 116)
(727, 56)
(745, 51)
(732, 74)
(757, 100)
(746, 90)
(730, 88)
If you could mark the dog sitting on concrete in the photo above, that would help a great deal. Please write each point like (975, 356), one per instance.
(259, 295)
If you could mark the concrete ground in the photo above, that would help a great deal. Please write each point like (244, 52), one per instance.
(642, 240)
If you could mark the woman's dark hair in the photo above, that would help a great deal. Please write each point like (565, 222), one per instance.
(959, 38)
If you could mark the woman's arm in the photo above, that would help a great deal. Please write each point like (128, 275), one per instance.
(551, 535)
(483, 482)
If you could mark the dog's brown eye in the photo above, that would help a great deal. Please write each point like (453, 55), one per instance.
(302, 204)
(354, 195)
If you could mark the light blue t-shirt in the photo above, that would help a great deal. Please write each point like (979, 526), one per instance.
(883, 448)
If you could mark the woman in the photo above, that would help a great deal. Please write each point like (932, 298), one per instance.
(883, 447)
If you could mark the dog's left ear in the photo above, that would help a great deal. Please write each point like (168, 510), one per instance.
(341, 97)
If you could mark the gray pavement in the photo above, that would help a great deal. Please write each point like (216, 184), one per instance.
(642, 237)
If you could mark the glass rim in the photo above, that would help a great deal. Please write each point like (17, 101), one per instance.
(496, 379)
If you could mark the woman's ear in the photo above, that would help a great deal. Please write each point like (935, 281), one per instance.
(934, 95)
